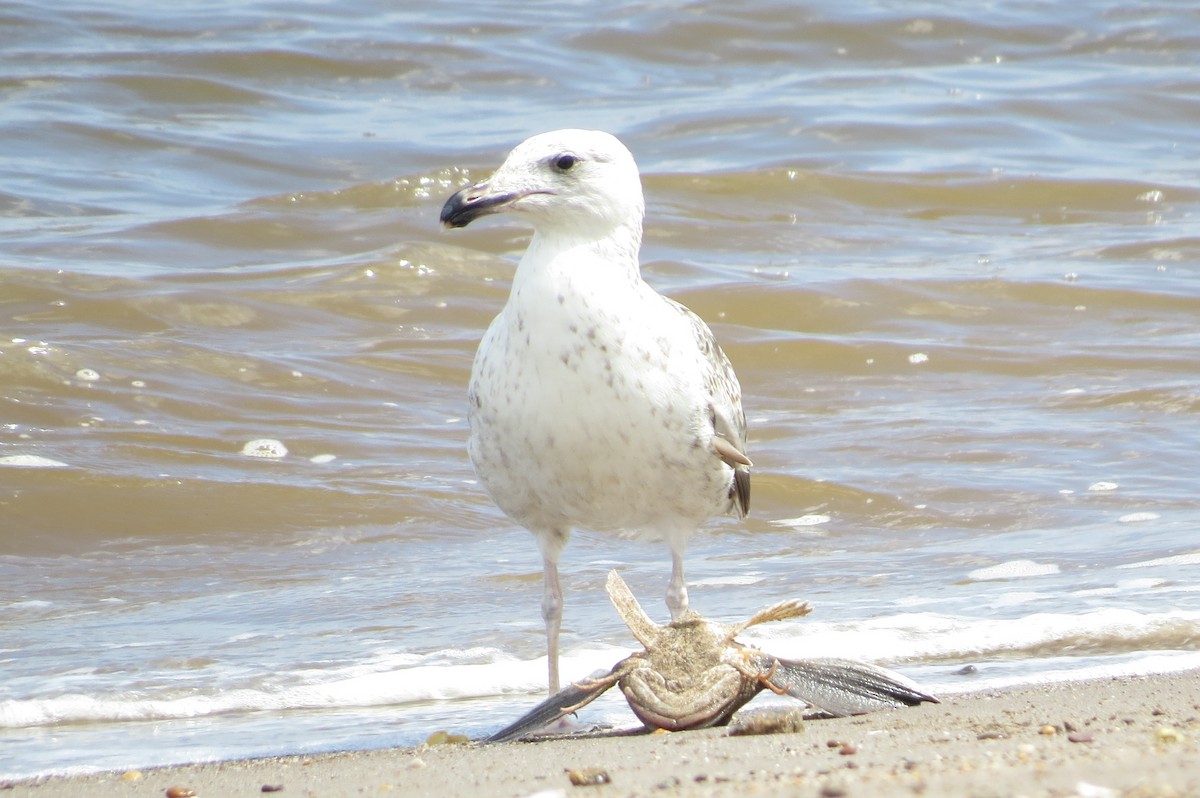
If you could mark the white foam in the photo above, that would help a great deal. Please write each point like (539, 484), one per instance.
(812, 519)
(1192, 558)
(265, 447)
(1132, 585)
(1016, 599)
(1133, 518)
(740, 579)
(30, 461)
(922, 636)
(441, 676)
(1015, 569)
(1156, 663)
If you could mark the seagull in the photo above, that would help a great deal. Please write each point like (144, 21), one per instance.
(595, 402)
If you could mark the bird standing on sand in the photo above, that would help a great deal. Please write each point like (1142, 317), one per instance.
(595, 402)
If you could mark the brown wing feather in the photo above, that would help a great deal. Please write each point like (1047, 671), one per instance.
(725, 405)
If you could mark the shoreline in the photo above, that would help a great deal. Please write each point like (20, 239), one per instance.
(1123, 736)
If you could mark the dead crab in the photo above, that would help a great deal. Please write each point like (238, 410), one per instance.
(693, 674)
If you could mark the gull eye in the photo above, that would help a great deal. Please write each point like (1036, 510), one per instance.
(564, 162)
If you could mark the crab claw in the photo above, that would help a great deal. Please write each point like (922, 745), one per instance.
(566, 701)
(843, 687)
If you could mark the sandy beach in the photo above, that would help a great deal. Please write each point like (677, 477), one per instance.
(1116, 737)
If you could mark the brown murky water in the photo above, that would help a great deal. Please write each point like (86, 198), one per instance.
(952, 254)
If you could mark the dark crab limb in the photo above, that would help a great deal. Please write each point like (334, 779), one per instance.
(693, 674)
(843, 687)
(563, 703)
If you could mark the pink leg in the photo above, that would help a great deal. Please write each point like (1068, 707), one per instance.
(552, 604)
(677, 597)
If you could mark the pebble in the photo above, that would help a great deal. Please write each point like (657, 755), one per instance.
(1048, 729)
(1080, 737)
(447, 738)
(767, 722)
(181, 792)
(588, 777)
(1167, 734)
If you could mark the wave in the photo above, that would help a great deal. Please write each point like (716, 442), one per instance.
(930, 637)
(907, 640)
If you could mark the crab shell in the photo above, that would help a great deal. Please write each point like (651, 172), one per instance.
(692, 674)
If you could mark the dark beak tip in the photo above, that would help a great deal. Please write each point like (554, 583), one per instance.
(472, 202)
(454, 213)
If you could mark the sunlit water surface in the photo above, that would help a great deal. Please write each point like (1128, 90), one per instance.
(951, 252)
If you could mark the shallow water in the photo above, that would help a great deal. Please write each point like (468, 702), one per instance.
(951, 253)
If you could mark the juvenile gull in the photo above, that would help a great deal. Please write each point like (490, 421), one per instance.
(595, 402)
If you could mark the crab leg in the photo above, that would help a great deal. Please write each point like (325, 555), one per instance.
(765, 680)
(570, 699)
(843, 687)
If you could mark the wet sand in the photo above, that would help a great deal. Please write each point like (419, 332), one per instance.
(1115, 737)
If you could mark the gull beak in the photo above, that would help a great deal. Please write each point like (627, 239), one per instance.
(474, 201)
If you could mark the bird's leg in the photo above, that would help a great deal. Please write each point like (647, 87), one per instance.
(552, 604)
(677, 597)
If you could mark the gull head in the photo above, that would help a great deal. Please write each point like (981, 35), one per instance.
(584, 181)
